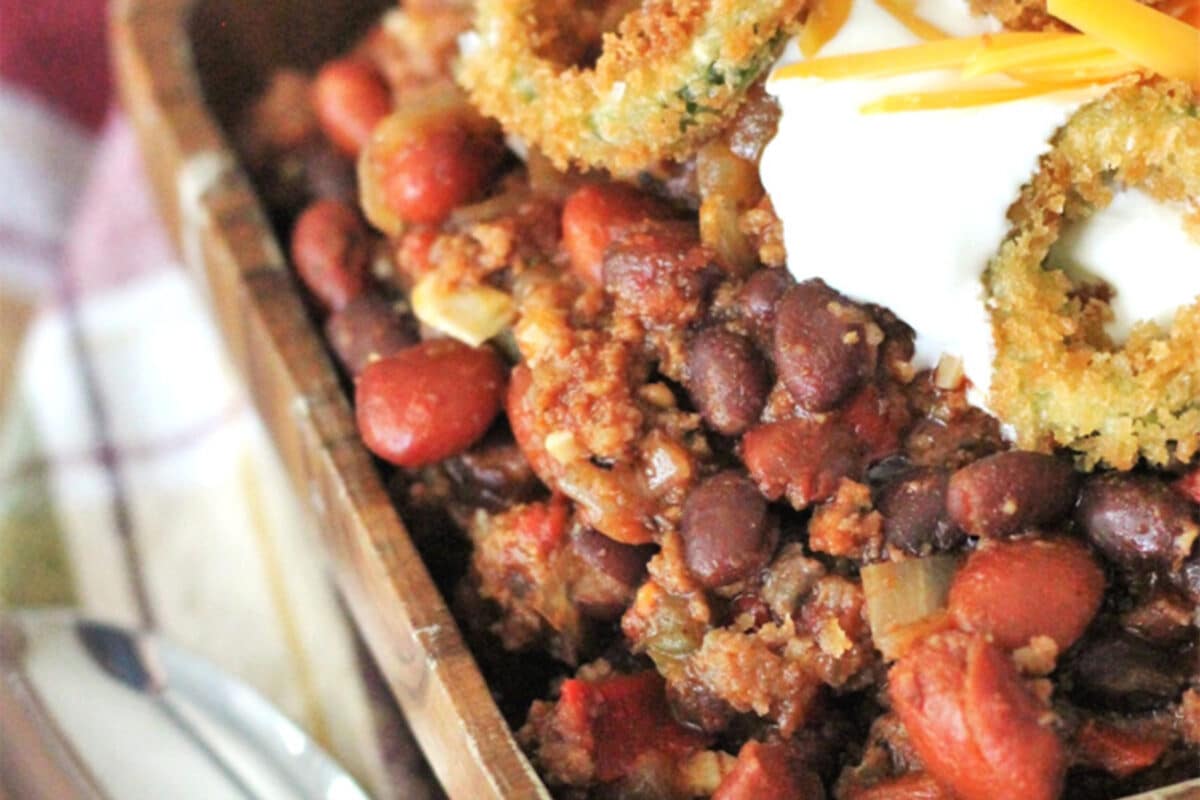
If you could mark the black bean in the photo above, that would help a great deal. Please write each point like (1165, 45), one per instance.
(1188, 578)
(367, 328)
(624, 563)
(728, 533)
(913, 506)
(1121, 672)
(822, 347)
(758, 299)
(727, 380)
(1008, 492)
(1136, 520)
(493, 474)
(956, 442)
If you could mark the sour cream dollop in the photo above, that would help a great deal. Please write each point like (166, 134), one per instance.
(906, 209)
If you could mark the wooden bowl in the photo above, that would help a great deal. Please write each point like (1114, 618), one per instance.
(184, 67)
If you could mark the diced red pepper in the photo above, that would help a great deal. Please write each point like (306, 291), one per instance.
(1116, 751)
(877, 421)
(628, 716)
(545, 523)
(764, 772)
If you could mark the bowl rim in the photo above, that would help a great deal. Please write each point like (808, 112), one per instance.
(221, 230)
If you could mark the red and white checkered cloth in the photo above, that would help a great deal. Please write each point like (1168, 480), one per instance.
(136, 482)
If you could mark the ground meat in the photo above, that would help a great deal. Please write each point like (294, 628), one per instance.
(848, 525)
(525, 563)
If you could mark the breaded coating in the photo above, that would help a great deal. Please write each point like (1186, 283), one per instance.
(1059, 379)
(671, 75)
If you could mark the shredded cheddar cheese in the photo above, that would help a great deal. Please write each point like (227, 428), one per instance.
(942, 54)
(1052, 50)
(904, 13)
(955, 98)
(1157, 41)
(824, 21)
(1116, 38)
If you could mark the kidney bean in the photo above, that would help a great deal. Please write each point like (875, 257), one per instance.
(1013, 591)
(766, 772)
(1121, 672)
(658, 272)
(1136, 520)
(428, 402)
(972, 721)
(913, 506)
(331, 249)
(1007, 492)
(822, 348)
(624, 563)
(594, 215)
(801, 459)
(434, 169)
(350, 99)
(365, 329)
(758, 300)
(727, 380)
(728, 533)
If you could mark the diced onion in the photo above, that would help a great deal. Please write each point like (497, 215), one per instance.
(902, 595)
(471, 314)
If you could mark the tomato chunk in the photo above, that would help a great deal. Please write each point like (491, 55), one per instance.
(972, 721)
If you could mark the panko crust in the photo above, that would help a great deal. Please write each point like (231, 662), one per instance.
(1059, 380)
(671, 75)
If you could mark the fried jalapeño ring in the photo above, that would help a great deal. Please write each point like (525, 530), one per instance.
(1058, 377)
(673, 71)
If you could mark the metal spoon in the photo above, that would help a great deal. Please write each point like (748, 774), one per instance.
(89, 710)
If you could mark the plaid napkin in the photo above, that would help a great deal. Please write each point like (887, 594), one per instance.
(136, 481)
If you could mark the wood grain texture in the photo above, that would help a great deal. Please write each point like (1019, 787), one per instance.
(166, 52)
